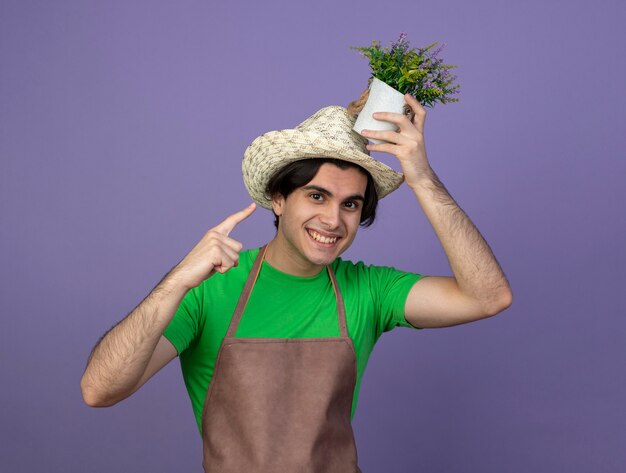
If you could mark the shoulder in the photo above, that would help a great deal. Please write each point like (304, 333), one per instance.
(360, 268)
(244, 265)
(246, 258)
(375, 277)
(351, 273)
(234, 277)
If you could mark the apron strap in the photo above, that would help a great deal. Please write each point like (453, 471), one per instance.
(247, 290)
(245, 293)
(341, 311)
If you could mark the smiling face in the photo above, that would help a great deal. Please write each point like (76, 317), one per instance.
(318, 221)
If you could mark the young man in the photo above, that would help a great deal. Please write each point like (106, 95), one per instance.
(273, 341)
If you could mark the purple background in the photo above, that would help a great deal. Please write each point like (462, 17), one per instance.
(122, 129)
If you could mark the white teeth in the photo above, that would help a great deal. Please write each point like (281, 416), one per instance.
(322, 239)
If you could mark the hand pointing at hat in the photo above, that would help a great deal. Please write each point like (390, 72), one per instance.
(407, 143)
(215, 252)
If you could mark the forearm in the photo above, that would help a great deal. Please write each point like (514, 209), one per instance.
(473, 264)
(120, 358)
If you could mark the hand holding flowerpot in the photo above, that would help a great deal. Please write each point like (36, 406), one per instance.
(398, 70)
(382, 98)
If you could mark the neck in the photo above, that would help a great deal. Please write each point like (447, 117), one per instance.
(281, 256)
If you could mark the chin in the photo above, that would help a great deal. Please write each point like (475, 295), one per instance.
(321, 261)
(324, 256)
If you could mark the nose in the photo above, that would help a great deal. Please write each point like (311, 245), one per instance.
(330, 216)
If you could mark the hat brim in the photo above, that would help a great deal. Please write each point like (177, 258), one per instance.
(262, 160)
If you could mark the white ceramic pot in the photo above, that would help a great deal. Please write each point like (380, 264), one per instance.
(382, 98)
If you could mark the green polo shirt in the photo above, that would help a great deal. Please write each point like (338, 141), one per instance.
(285, 306)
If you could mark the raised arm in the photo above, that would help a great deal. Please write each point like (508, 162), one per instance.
(134, 349)
(479, 287)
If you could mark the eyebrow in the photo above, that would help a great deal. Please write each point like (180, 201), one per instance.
(328, 193)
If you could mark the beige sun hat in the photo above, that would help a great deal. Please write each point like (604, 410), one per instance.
(326, 134)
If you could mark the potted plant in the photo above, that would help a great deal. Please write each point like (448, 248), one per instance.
(397, 70)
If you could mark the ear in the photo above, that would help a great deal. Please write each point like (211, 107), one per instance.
(278, 203)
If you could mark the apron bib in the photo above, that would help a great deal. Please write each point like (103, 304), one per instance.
(281, 405)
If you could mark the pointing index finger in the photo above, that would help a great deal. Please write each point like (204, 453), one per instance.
(231, 221)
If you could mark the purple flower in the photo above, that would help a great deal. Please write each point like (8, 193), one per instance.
(402, 43)
(437, 51)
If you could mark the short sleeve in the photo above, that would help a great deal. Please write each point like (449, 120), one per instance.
(390, 288)
(183, 327)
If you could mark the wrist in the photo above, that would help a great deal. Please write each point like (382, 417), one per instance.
(425, 179)
(175, 283)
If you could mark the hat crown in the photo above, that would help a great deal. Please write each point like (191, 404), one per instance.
(327, 133)
(333, 122)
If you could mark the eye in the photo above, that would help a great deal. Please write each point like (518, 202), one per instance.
(316, 196)
(352, 205)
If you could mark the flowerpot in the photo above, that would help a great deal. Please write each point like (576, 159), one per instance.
(382, 98)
